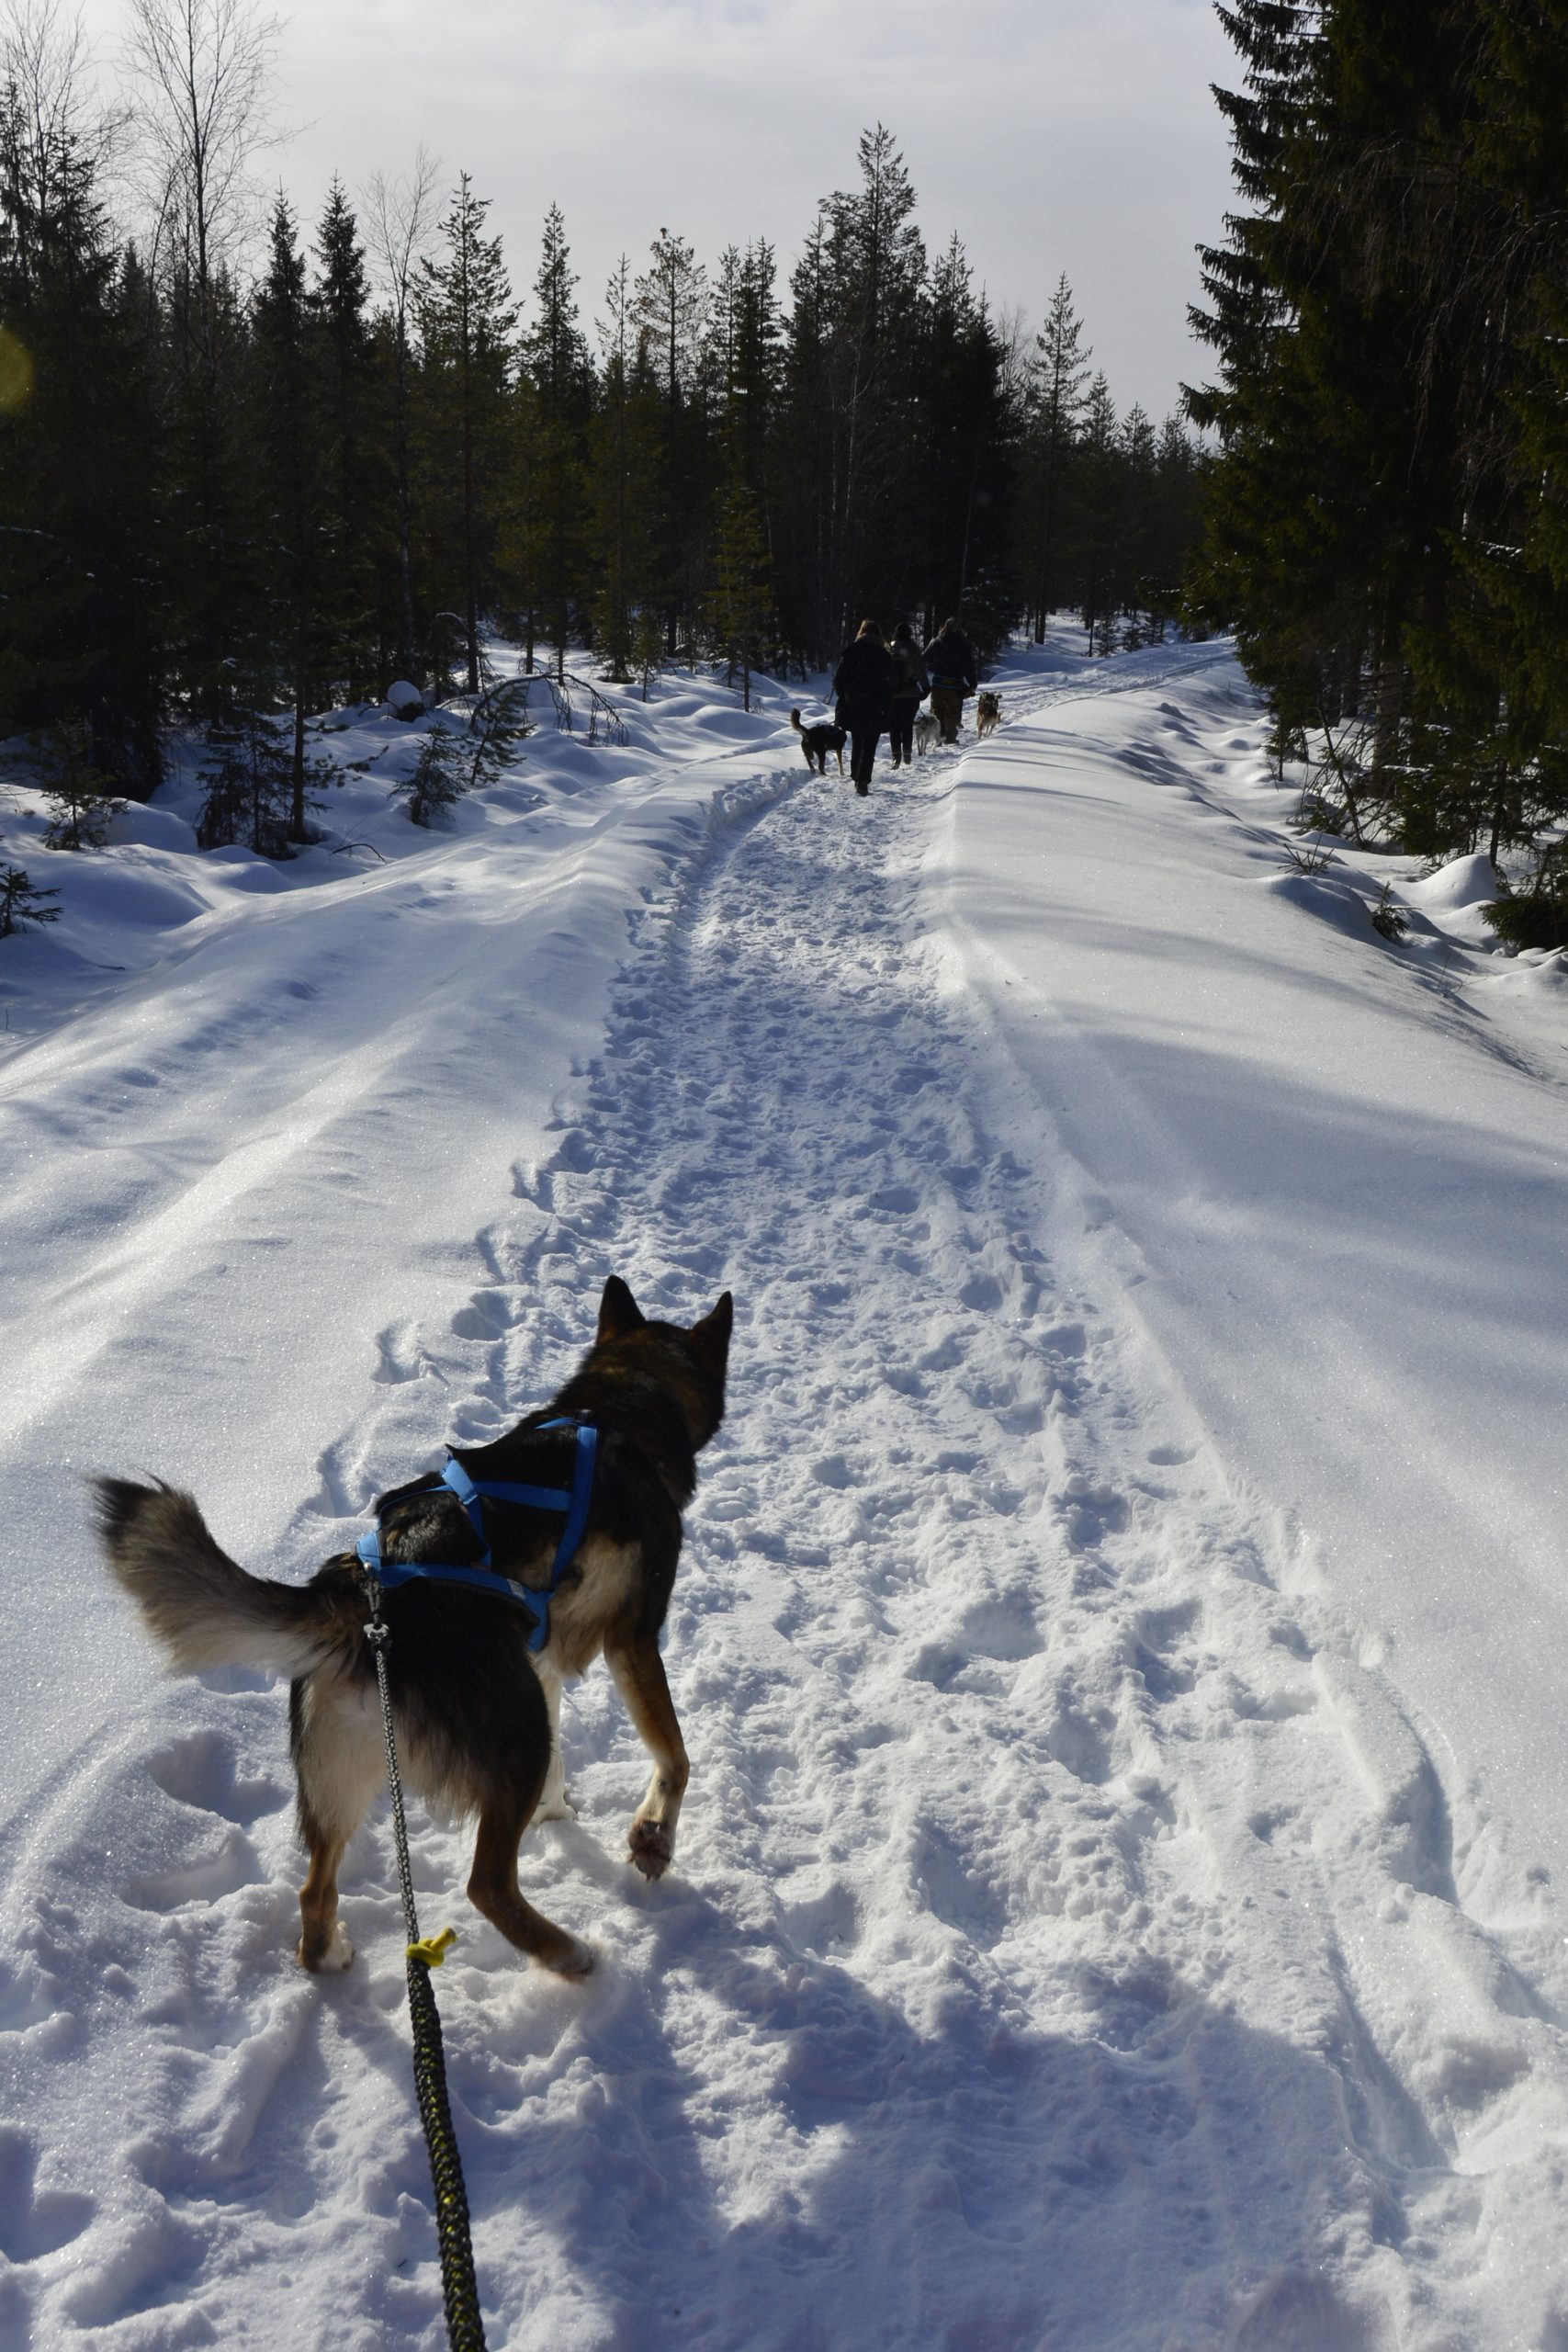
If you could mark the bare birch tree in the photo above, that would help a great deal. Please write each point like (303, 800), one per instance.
(204, 68)
(398, 217)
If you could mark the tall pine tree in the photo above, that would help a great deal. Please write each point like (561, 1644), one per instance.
(466, 319)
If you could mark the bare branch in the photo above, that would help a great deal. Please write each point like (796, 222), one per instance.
(397, 216)
(46, 67)
(204, 69)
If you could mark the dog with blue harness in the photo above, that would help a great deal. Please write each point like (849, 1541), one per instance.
(498, 1578)
(572, 1503)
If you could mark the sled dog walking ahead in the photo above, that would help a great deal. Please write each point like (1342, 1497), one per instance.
(479, 1641)
(817, 740)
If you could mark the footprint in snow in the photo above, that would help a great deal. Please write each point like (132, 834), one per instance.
(1088, 1514)
(35, 2221)
(198, 1770)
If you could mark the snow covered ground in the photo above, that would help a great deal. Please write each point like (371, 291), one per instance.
(1118, 1639)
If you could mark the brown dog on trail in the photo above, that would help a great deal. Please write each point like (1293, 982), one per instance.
(987, 713)
(476, 1710)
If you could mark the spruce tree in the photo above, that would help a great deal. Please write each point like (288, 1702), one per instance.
(739, 604)
(466, 318)
(1100, 552)
(876, 266)
(298, 644)
(961, 438)
(559, 376)
(248, 783)
(622, 480)
(81, 624)
(1054, 404)
(669, 306)
(355, 479)
(23, 903)
(82, 801)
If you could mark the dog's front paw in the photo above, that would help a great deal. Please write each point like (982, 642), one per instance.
(554, 1805)
(651, 1846)
(336, 1956)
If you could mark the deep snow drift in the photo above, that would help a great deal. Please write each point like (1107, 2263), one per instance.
(1115, 1640)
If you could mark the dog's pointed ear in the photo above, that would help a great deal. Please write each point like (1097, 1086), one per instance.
(711, 1335)
(619, 1313)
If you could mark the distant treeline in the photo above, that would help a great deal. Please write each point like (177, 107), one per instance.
(228, 493)
(1388, 523)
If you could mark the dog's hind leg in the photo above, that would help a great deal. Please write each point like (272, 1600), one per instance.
(554, 1804)
(341, 1759)
(495, 1890)
(639, 1676)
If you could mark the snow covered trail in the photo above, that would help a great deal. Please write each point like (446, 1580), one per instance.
(1063, 1946)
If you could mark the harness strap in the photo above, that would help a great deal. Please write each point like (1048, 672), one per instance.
(472, 1493)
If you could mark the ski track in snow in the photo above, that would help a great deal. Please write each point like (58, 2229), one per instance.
(1066, 1944)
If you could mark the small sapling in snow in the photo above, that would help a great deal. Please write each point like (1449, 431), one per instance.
(1388, 920)
(22, 902)
(1313, 857)
(81, 802)
(436, 782)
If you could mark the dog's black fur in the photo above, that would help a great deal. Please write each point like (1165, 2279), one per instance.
(818, 741)
(476, 1715)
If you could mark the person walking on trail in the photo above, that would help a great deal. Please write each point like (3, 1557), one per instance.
(910, 686)
(862, 686)
(950, 658)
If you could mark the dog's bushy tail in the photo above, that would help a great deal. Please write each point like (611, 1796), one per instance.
(202, 1608)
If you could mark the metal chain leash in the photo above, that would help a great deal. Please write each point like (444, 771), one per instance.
(465, 2327)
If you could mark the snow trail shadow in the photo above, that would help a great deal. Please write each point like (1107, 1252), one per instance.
(1162, 2174)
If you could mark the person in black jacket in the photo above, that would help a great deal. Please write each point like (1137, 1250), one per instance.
(911, 685)
(863, 687)
(950, 658)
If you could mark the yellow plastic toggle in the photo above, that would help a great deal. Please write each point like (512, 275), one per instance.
(432, 1949)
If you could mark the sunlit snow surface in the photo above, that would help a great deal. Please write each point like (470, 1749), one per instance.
(1121, 1632)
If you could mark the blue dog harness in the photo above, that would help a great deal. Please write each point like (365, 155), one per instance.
(472, 1493)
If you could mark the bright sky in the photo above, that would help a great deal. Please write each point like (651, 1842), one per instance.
(1074, 135)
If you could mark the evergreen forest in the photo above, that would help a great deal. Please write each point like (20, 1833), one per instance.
(253, 465)
(1386, 525)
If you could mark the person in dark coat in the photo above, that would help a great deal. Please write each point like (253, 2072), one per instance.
(954, 674)
(911, 685)
(863, 687)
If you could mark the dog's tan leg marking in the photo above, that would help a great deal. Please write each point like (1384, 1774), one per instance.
(639, 1676)
(324, 1947)
(554, 1804)
(495, 1890)
(342, 1763)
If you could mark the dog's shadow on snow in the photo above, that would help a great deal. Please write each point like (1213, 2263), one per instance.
(849, 2173)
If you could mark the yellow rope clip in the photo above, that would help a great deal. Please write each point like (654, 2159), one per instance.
(432, 1949)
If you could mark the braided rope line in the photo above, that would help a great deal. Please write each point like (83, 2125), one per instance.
(465, 2326)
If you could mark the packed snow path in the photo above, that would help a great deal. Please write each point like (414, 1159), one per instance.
(1064, 1948)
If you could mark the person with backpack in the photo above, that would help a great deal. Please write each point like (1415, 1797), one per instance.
(863, 687)
(910, 686)
(950, 658)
